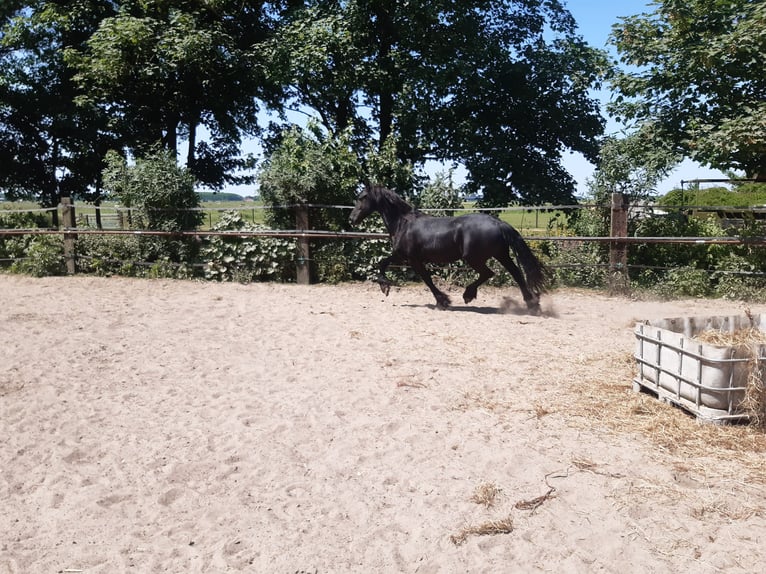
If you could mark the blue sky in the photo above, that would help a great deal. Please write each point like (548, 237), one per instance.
(595, 20)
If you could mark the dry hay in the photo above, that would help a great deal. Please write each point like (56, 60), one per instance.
(486, 494)
(606, 400)
(536, 502)
(740, 338)
(746, 342)
(716, 458)
(491, 527)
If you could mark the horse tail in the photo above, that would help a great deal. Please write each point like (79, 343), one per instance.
(536, 273)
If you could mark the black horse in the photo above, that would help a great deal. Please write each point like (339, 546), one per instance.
(418, 239)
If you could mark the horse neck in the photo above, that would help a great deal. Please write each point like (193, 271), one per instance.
(394, 217)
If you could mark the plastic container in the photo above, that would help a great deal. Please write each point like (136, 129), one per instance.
(707, 380)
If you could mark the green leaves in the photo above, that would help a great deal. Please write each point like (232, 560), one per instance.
(307, 167)
(696, 73)
(632, 165)
(500, 87)
(165, 70)
(246, 259)
(161, 192)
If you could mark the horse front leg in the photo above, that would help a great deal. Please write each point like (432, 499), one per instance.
(442, 300)
(382, 280)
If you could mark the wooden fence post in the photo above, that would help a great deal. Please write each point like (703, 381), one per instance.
(303, 263)
(618, 250)
(68, 221)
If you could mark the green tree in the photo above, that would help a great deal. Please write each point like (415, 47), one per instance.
(164, 70)
(441, 194)
(740, 196)
(49, 145)
(308, 166)
(695, 80)
(632, 165)
(501, 87)
(160, 193)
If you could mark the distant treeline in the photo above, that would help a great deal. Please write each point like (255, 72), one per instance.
(215, 196)
(743, 195)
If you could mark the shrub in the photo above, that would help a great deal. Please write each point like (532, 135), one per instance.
(10, 219)
(578, 264)
(582, 264)
(160, 192)
(39, 255)
(736, 277)
(164, 268)
(137, 256)
(440, 195)
(109, 254)
(355, 259)
(308, 167)
(161, 196)
(17, 246)
(742, 195)
(685, 282)
(245, 259)
(675, 255)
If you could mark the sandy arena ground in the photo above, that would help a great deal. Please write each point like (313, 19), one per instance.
(186, 427)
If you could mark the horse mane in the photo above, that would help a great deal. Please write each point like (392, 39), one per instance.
(387, 197)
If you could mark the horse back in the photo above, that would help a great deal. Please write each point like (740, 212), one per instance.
(447, 239)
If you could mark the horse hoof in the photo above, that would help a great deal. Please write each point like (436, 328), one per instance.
(443, 303)
(534, 308)
(468, 299)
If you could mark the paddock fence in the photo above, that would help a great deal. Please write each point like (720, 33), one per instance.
(118, 222)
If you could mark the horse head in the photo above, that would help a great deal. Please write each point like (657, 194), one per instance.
(392, 208)
(366, 202)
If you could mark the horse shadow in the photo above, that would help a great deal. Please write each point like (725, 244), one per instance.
(457, 308)
(507, 307)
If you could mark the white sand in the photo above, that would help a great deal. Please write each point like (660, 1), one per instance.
(167, 426)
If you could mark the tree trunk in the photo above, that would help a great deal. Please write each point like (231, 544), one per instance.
(171, 134)
(387, 88)
(99, 224)
(51, 196)
(758, 170)
(191, 151)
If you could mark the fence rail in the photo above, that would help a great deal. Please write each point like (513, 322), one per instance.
(618, 239)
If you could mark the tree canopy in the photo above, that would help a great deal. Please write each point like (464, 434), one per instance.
(695, 80)
(163, 70)
(632, 165)
(80, 78)
(501, 87)
(48, 144)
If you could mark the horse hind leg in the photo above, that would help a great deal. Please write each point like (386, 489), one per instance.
(485, 274)
(531, 299)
